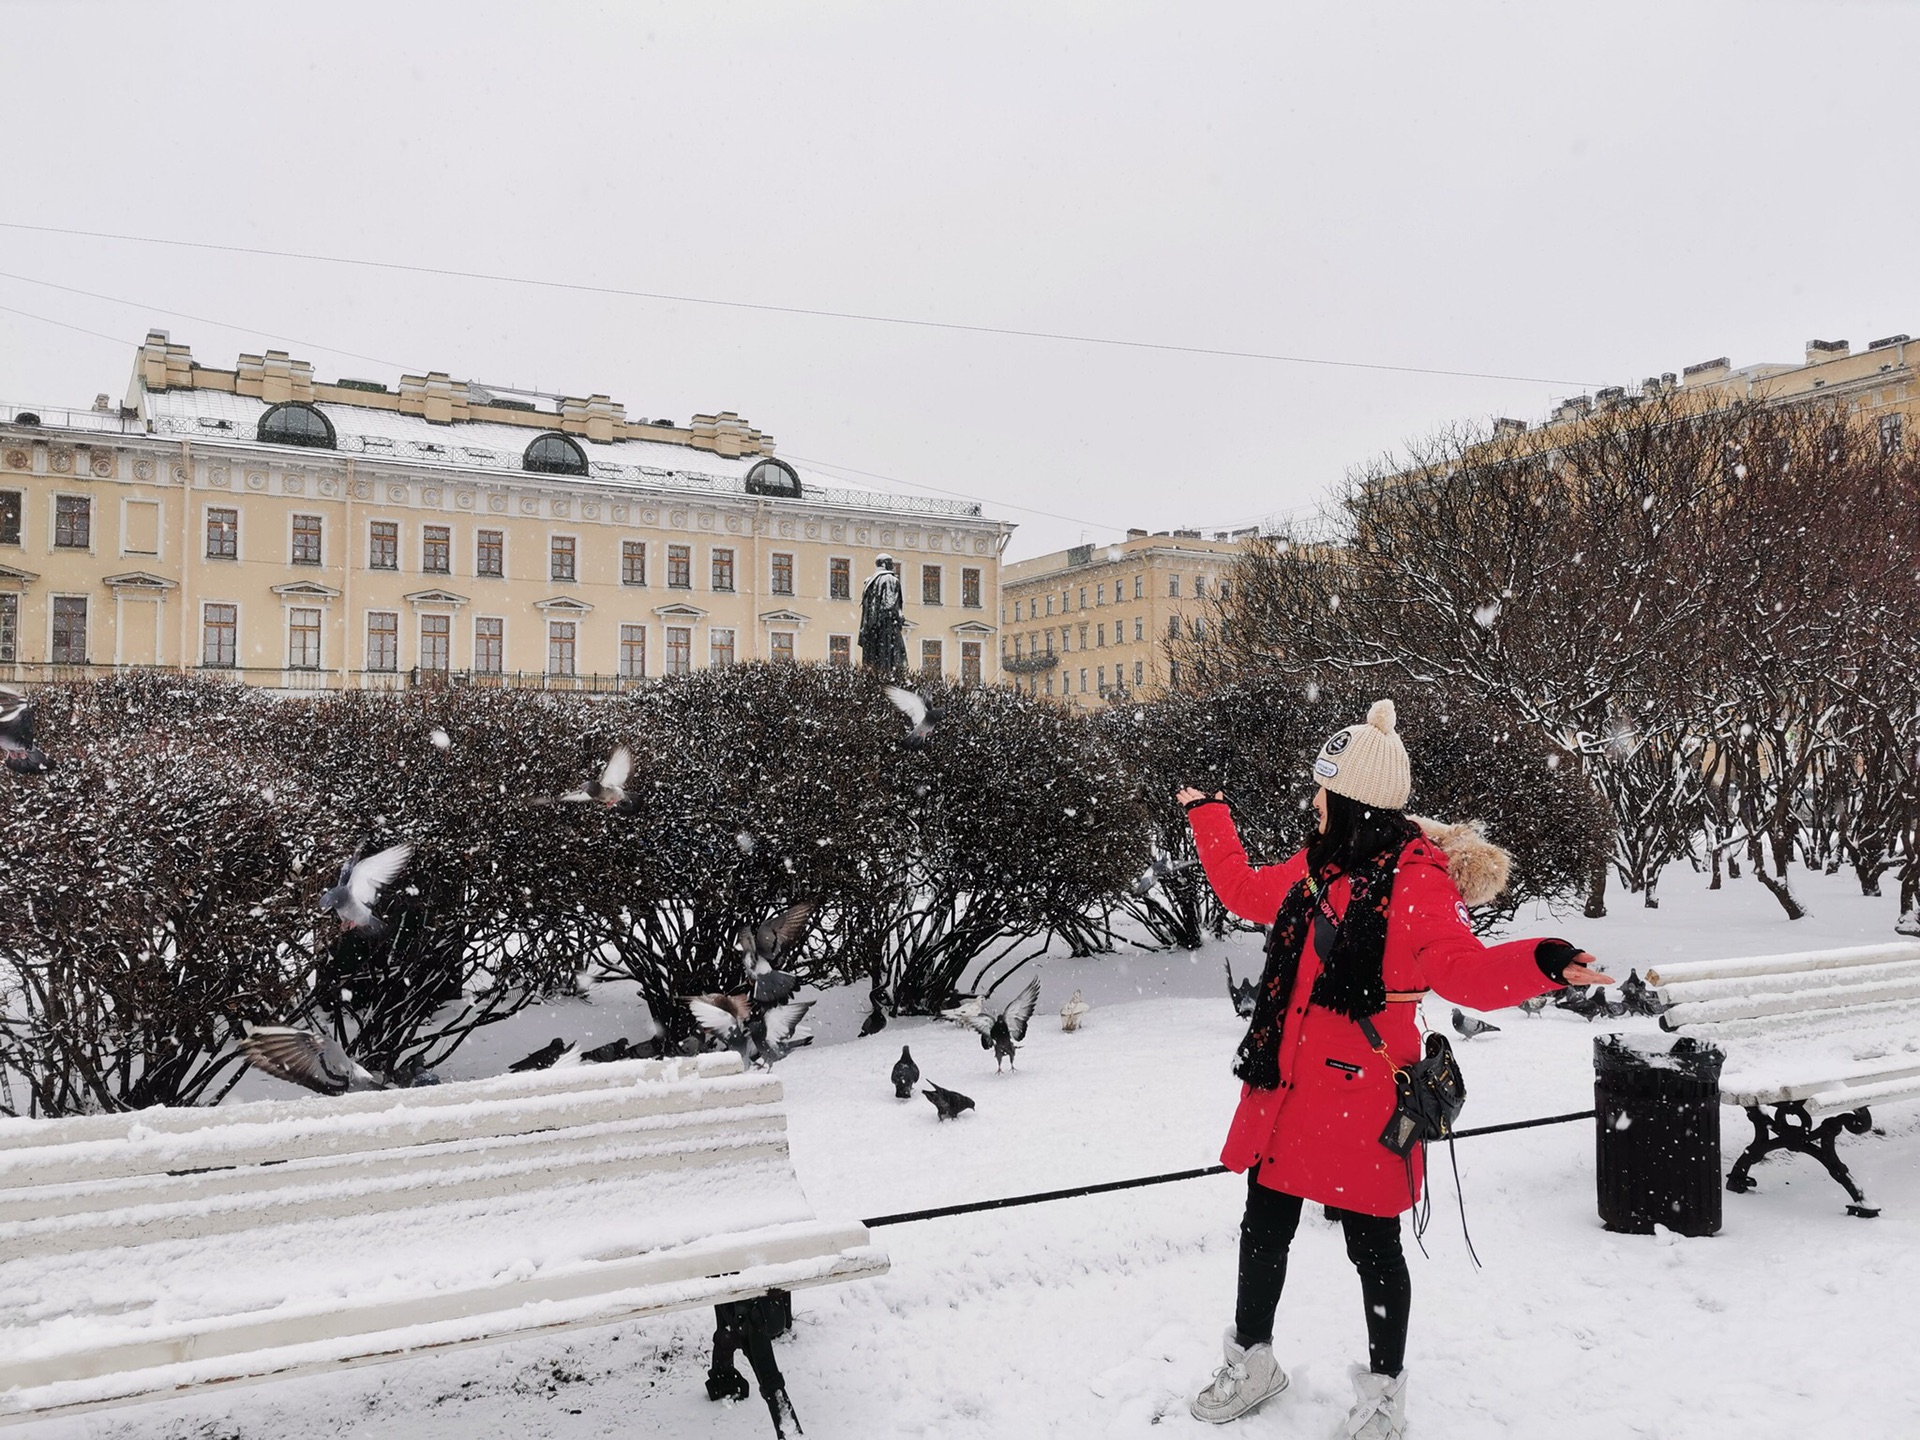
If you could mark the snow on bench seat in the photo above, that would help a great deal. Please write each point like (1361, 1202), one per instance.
(141, 1253)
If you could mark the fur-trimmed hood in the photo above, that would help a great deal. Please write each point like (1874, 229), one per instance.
(1478, 867)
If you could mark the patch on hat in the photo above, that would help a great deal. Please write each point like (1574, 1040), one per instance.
(1325, 767)
(1337, 743)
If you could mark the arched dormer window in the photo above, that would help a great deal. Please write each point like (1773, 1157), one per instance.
(774, 477)
(294, 423)
(554, 455)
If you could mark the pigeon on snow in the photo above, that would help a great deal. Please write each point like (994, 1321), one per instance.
(1072, 1011)
(1000, 1033)
(360, 884)
(1535, 1005)
(948, 1102)
(1641, 998)
(1468, 1027)
(542, 1058)
(876, 1020)
(1589, 1002)
(906, 1075)
(17, 745)
(610, 789)
(920, 719)
(1241, 992)
(318, 1062)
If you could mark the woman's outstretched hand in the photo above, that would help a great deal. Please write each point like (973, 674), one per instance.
(1584, 969)
(1186, 795)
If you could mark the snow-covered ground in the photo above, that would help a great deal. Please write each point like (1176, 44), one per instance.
(1099, 1316)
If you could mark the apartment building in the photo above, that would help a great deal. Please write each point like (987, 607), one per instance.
(309, 535)
(1088, 625)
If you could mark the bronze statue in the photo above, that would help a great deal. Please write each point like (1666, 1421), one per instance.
(883, 643)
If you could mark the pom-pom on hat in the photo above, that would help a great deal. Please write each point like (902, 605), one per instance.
(1367, 763)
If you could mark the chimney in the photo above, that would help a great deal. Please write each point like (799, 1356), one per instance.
(1136, 534)
(594, 417)
(164, 365)
(1507, 425)
(1707, 371)
(1821, 351)
(1573, 409)
(274, 377)
(1889, 342)
(436, 397)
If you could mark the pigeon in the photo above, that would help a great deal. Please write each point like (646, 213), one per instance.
(1468, 1027)
(876, 1020)
(1641, 998)
(906, 1075)
(760, 945)
(1241, 992)
(1535, 1005)
(763, 1036)
(999, 1033)
(318, 1062)
(1158, 873)
(22, 755)
(920, 719)
(542, 1058)
(1589, 1002)
(619, 1048)
(360, 884)
(1071, 1012)
(610, 788)
(948, 1102)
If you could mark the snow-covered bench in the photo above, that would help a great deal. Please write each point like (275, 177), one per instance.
(1817, 1037)
(145, 1254)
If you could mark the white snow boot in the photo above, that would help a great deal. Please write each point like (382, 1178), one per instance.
(1379, 1407)
(1249, 1376)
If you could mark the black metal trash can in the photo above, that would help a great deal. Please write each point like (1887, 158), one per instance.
(1657, 1135)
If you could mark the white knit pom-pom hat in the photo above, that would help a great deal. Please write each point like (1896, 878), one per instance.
(1368, 763)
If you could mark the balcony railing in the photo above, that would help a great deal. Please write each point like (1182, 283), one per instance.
(36, 672)
(1027, 664)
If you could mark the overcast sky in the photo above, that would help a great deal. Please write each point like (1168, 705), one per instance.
(1578, 194)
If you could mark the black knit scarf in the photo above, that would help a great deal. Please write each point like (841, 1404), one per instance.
(1350, 982)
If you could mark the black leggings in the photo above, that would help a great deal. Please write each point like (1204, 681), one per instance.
(1373, 1245)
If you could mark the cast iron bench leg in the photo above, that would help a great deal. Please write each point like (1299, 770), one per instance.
(1791, 1128)
(750, 1325)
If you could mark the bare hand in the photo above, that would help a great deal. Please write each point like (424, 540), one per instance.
(1186, 795)
(1583, 970)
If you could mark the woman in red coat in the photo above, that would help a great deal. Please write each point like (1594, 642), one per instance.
(1364, 921)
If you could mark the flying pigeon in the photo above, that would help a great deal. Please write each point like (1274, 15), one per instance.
(1241, 992)
(1158, 873)
(764, 1036)
(948, 1102)
(1641, 998)
(1071, 1012)
(542, 1058)
(610, 789)
(999, 1033)
(360, 884)
(1468, 1027)
(22, 755)
(761, 945)
(319, 1063)
(906, 1075)
(920, 719)
(1535, 1005)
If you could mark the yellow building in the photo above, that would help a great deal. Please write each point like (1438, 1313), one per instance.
(1090, 623)
(305, 536)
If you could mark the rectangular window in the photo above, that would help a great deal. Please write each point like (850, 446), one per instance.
(303, 639)
(840, 578)
(490, 553)
(1173, 627)
(1049, 604)
(929, 584)
(383, 640)
(1066, 638)
(223, 534)
(1016, 610)
(1139, 627)
(633, 652)
(1016, 648)
(1082, 639)
(69, 630)
(721, 574)
(633, 562)
(1226, 588)
(1100, 679)
(1173, 587)
(1893, 430)
(560, 558)
(9, 517)
(970, 587)
(679, 647)
(436, 642)
(383, 545)
(436, 550)
(219, 635)
(1173, 673)
(840, 651)
(679, 567)
(306, 540)
(9, 629)
(782, 573)
(1083, 597)
(72, 522)
(489, 644)
(562, 636)
(142, 533)
(780, 647)
(931, 658)
(1100, 635)
(1100, 593)
(1139, 673)
(1199, 587)
(969, 662)
(719, 648)
(1083, 681)
(1139, 587)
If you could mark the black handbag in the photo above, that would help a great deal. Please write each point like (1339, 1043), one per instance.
(1429, 1093)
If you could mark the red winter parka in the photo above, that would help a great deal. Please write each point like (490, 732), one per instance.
(1318, 1135)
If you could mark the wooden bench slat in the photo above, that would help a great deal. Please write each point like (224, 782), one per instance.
(1837, 982)
(1675, 971)
(1812, 1003)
